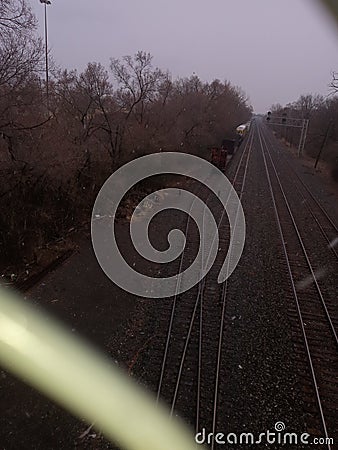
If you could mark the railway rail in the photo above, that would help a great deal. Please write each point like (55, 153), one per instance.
(189, 358)
(325, 223)
(187, 380)
(312, 298)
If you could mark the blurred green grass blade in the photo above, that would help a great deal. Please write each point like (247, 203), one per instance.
(34, 347)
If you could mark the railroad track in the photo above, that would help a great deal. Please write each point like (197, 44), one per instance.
(309, 267)
(189, 376)
(325, 223)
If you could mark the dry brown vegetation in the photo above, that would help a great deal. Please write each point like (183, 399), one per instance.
(53, 161)
(323, 126)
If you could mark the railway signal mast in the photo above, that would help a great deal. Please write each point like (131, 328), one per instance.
(289, 122)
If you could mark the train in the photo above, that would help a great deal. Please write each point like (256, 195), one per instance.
(243, 129)
(219, 156)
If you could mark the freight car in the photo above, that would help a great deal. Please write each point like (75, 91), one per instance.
(219, 157)
(229, 145)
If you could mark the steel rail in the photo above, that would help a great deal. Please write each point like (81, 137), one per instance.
(303, 246)
(294, 290)
(165, 356)
(198, 298)
(320, 226)
(200, 344)
(248, 145)
(311, 195)
(173, 309)
(201, 312)
(224, 295)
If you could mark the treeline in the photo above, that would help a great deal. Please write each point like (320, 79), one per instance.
(55, 153)
(322, 137)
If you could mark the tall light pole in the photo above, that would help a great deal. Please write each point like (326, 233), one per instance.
(46, 2)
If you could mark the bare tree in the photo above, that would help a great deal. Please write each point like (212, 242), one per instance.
(17, 16)
(84, 95)
(21, 55)
(20, 51)
(87, 100)
(307, 104)
(334, 82)
(138, 82)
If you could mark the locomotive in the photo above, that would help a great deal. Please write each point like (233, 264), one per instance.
(243, 129)
(220, 155)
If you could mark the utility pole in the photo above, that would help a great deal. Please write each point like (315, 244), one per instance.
(303, 136)
(284, 121)
(46, 2)
(326, 137)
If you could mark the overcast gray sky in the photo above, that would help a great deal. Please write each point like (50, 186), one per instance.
(275, 50)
